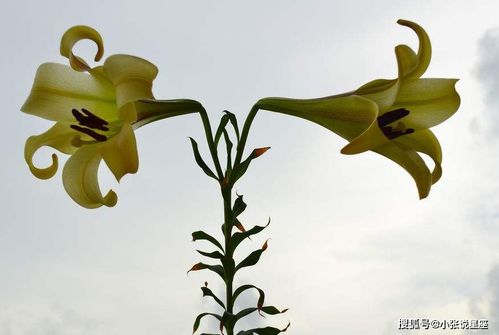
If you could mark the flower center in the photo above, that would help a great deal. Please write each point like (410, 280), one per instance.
(88, 123)
(390, 117)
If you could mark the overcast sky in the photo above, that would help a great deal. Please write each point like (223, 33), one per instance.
(352, 248)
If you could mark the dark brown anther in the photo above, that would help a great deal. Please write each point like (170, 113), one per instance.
(392, 116)
(89, 132)
(88, 119)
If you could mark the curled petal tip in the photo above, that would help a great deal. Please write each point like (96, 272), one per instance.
(111, 199)
(72, 36)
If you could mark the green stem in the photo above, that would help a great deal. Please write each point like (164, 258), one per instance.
(229, 253)
(211, 143)
(244, 134)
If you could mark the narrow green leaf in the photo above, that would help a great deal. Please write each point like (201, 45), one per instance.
(264, 331)
(271, 310)
(240, 169)
(238, 237)
(233, 121)
(239, 206)
(208, 293)
(202, 315)
(201, 235)
(252, 258)
(214, 254)
(218, 269)
(221, 127)
(261, 294)
(228, 144)
(200, 161)
(245, 312)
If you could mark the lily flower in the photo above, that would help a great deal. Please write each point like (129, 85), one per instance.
(96, 111)
(389, 117)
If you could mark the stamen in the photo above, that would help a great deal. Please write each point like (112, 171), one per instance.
(88, 119)
(89, 132)
(392, 116)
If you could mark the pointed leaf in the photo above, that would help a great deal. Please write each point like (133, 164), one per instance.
(264, 331)
(253, 258)
(214, 254)
(240, 169)
(233, 120)
(200, 316)
(243, 288)
(201, 235)
(237, 237)
(208, 293)
(239, 206)
(200, 161)
(228, 144)
(218, 269)
(220, 129)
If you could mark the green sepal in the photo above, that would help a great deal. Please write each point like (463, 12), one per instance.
(264, 331)
(261, 294)
(252, 258)
(239, 206)
(214, 254)
(238, 237)
(202, 315)
(200, 161)
(209, 293)
(218, 269)
(220, 129)
(201, 235)
(233, 120)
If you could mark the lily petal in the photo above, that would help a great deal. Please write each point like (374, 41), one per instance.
(347, 116)
(57, 89)
(120, 153)
(132, 77)
(58, 137)
(72, 36)
(429, 101)
(410, 160)
(382, 91)
(426, 142)
(424, 51)
(149, 110)
(407, 60)
(79, 177)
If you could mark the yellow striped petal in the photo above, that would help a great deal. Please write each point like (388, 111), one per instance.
(120, 153)
(79, 178)
(132, 78)
(407, 60)
(57, 89)
(409, 159)
(426, 142)
(58, 137)
(429, 101)
(424, 51)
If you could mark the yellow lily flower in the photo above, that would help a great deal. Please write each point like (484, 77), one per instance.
(389, 117)
(96, 111)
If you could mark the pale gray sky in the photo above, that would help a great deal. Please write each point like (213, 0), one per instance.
(352, 249)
